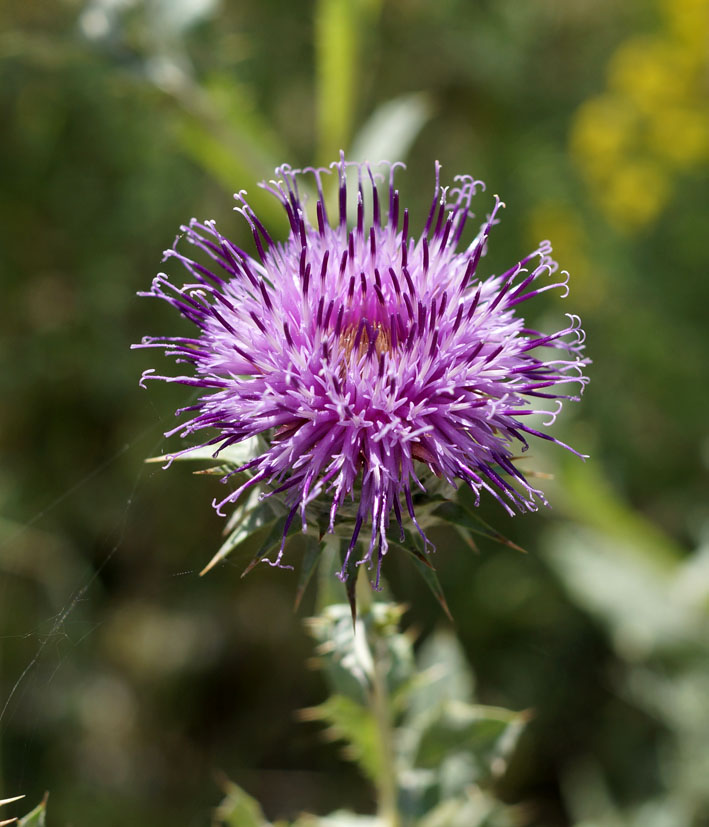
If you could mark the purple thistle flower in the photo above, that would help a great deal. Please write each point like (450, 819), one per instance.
(368, 356)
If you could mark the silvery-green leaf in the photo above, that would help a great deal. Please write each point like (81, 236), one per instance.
(342, 818)
(487, 734)
(679, 700)
(343, 651)
(346, 653)
(243, 511)
(235, 455)
(444, 675)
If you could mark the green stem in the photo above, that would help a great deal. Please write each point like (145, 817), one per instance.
(379, 699)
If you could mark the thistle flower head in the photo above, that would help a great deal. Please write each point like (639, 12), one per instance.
(368, 356)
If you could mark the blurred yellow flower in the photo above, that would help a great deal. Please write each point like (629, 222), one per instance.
(651, 72)
(604, 130)
(688, 23)
(636, 194)
(680, 135)
(652, 121)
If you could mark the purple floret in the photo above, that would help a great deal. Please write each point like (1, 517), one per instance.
(364, 354)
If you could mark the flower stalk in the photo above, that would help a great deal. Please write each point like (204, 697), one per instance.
(387, 787)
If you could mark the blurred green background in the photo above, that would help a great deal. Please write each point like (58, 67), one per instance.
(128, 684)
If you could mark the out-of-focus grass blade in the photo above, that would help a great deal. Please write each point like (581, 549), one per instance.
(218, 154)
(221, 130)
(337, 30)
(339, 26)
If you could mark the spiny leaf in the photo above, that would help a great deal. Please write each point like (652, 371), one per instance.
(312, 556)
(343, 656)
(458, 515)
(351, 722)
(272, 541)
(351, 586)
(329, 588)
(38, 816)
(252, 516)
(425, 568)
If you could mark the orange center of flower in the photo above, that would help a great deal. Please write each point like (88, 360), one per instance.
(380, 334)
